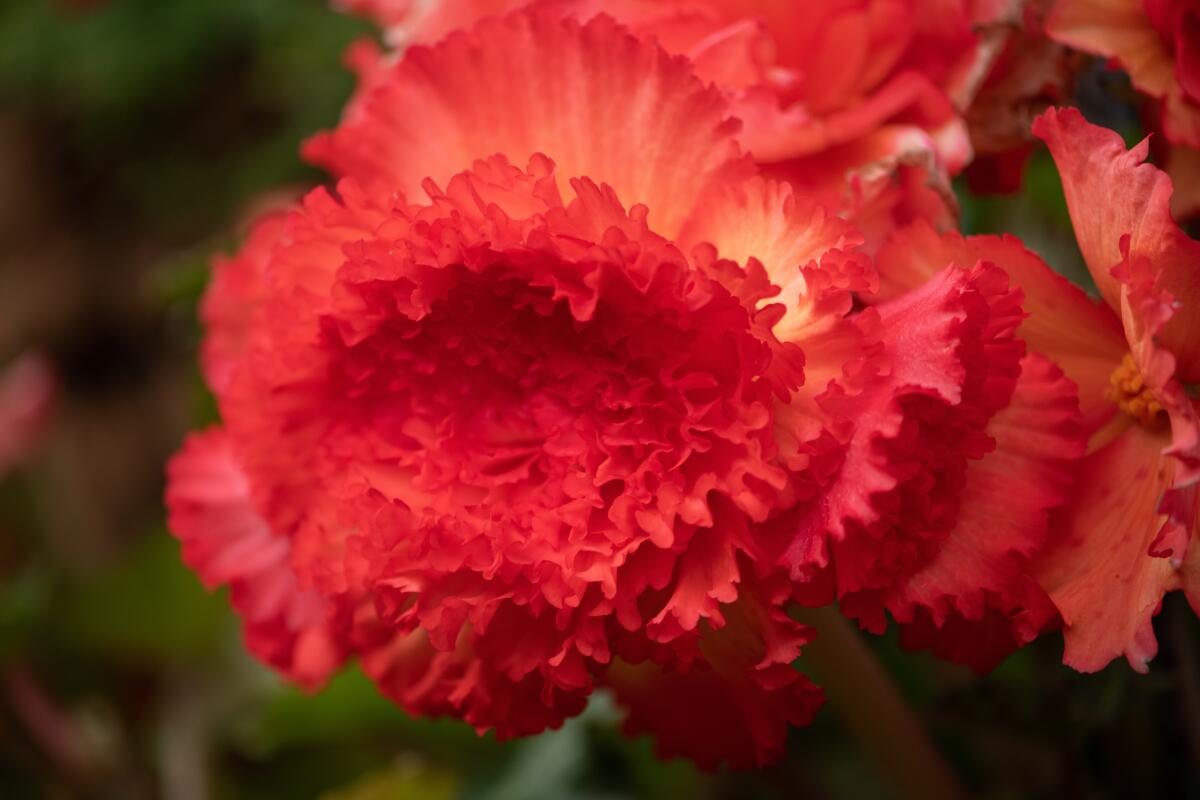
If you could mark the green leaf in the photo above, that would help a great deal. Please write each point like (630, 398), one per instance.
(405, 781)
(351, 706)
(147, 607)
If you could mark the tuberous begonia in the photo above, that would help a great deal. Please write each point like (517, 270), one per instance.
(1128, 533)
(504, 432)
(553, 392)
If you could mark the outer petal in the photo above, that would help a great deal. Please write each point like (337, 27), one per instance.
(593, 98)
(227, 543)
(978, 600)
(1100, 574)
(775, 134)
(1082, 336)
(1111, 195)
(430, 681)
(911, 418)
(237, 289)
(736, 702)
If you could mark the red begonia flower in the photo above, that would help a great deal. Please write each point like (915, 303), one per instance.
(507, 434)
(510, 433)
(1158, 43)
(1128, 531)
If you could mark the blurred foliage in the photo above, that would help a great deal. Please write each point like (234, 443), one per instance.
(134, 134)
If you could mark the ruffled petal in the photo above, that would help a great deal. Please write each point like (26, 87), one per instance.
(774, 134)
(734, 703)
(454, 680)
(227, 543)
(912, 418)
(593, 98)
(975, 601)
(237, 289)
(1080, 335)
(791, 237)
(1116, 201)
(1100, 573)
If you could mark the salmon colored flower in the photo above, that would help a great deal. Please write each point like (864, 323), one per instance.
(1158, 43)
(1129, 529)
(859, 103)
(1121, 540)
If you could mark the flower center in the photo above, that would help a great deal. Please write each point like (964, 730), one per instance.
(1131, 394)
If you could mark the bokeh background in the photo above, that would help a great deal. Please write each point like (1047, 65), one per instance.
(136, 139)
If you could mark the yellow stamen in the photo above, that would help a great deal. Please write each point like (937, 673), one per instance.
(1129, 391)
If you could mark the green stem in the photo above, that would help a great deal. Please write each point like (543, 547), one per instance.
(873, 709)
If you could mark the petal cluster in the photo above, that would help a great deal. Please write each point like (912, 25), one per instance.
(861, 104)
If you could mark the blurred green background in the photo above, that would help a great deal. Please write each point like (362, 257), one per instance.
(136, 138)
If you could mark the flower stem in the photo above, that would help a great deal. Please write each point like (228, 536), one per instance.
(873, 709)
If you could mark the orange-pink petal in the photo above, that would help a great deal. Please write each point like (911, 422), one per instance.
(593, 98)
(1100, 573)
(1118, 202)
